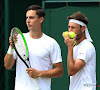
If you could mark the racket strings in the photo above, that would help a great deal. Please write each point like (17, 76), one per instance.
(20, 45)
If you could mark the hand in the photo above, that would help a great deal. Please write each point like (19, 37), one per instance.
(32, 72)
(15, 40)
(69, 42)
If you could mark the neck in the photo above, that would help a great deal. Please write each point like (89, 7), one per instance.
(36, 34)
(80, 40)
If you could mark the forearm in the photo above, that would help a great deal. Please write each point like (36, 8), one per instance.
(53, 73)
(8, 61)
(70, 60)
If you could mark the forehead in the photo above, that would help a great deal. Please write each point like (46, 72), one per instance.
(31, 13)
(73, 24)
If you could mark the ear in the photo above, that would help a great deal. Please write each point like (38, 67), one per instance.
(41, 19)
(83, 28)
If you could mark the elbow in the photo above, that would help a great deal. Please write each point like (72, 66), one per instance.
(7, 67)
(61, 72)
(70, 73)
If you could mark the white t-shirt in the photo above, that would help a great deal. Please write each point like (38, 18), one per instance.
(43, 53)
(85, 79)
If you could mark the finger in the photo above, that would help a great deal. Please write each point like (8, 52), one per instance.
(63, 35)
(10, 41)
(75, 36)
(15, 38)
(30, 74)
(10, 38)
(68, 35)
(15, 35)
(29, 69)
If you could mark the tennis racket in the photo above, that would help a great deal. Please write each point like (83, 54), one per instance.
(20, 46)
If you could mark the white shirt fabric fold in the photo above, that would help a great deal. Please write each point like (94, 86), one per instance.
(43, 53)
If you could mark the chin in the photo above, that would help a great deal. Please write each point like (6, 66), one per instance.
(29, 28)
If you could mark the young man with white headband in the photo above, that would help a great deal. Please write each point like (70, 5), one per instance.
(81, 59)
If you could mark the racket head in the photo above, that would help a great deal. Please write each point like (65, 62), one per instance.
(19, 44)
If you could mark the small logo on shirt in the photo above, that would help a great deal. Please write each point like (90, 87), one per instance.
(91, 85)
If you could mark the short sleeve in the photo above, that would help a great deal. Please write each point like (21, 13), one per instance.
(55, 53)
(85, 53)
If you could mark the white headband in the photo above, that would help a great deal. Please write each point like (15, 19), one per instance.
(86, 29)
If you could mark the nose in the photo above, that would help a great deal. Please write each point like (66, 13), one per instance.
(69, 29)
(28, 20)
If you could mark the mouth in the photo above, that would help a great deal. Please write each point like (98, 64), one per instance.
(28, 25)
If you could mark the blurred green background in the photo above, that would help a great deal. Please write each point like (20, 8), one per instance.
(12, 13)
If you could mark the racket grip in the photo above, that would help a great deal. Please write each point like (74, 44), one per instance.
(36, 85)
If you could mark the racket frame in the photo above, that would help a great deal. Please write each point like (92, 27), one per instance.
(28, 66)
(27, 60)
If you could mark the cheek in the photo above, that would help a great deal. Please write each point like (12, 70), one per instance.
(34, 21)
(26, 21)
(78, 30)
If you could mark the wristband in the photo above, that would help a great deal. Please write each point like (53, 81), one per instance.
(10, 51)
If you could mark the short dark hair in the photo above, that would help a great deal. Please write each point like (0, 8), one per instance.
(39, 10)
(79, 16)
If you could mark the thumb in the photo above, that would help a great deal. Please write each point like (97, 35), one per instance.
(28, 69)
(63, 35)
(75, 36)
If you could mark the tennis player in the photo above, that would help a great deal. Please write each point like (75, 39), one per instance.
(81, 59)
(44, 53)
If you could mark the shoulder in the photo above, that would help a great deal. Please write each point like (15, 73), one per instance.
(49, 39)
(26, 34)
(86, 45)
(51, 42)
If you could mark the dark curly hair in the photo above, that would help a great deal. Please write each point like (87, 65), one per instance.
(79, 16)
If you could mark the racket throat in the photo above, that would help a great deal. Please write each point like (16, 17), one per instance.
(28, 64)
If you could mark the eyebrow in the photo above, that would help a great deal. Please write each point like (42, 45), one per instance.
(29, 17)
(72, 26)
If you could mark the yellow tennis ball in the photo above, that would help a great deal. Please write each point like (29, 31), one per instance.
(65, 33)
(71, 35)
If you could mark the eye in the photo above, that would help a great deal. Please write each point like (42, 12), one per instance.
(73, 27)
(68, 26)
(31, 17)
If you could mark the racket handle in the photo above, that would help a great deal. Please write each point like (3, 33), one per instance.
(35, 83)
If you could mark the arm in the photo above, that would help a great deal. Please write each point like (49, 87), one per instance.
(53, 73)
(73, 66)
(55, 57)
(8, 59)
